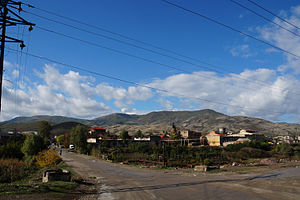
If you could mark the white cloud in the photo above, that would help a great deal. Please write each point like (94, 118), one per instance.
(68, 94)
(241, 50)
(285, 40)
(262, 92)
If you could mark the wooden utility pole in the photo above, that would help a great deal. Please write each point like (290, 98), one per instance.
(6, 9)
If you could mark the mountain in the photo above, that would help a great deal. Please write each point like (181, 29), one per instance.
(64, 127)
(54, 119)
(157, 122)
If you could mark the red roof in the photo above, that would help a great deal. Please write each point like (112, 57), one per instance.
(97, 128)
(161, 135)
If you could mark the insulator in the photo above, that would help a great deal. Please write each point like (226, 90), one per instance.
(22, 45)
(20, 8)
(30, 28)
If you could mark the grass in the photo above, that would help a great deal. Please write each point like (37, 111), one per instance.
(33, 183)
(29, 188)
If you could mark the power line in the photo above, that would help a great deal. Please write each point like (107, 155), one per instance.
(286, 21)
(137, 57)
(231, 28)
(254, 12)
(138, 84)
(144, 43)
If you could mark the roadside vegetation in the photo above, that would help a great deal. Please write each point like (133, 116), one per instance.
(22, 161)
(175, 155)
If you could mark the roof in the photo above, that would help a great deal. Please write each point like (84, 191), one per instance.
(161, 135)
(97, 128)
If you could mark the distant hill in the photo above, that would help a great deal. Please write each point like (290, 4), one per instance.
(157, 122)
(59, 129)
(54, 119)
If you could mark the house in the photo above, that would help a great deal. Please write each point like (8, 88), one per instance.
(215, 139)
(153, 139)
(187, 134)
(240, 140)
(97, 132)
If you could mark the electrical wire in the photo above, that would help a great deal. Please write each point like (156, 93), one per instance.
(286, 21)
(263, 17)
(231, 28)
(145, 43)
(141, 85)
(141, 58)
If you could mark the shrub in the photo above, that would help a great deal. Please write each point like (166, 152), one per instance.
(95, 152)
(32, 145)
(207, 162)
(249, 152)
(47, 158)
(11, 150)
(78, 138)
(284, 149)
(12, 170)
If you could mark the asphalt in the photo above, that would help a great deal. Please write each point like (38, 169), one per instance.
(117, 181)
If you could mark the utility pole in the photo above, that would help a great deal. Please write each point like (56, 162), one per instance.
(6, 9)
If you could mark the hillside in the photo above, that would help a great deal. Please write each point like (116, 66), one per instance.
(54, 119)
(157, 122)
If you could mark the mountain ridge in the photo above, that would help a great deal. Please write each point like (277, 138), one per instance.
(159, 121)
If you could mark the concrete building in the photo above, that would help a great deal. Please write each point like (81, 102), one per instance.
(214, 139)
(187, 134)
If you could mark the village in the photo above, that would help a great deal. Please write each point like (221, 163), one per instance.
(220, 137)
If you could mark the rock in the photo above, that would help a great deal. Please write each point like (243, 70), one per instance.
(201, 168)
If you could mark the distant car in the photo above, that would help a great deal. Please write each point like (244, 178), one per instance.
(71, 146)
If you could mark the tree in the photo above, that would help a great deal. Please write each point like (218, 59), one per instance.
(78, 138)
(11, 149)
(44, 130)
(67, 139)
(124, 135)
(32, 145)
(60, 139)
(139, 134)
(175, 135)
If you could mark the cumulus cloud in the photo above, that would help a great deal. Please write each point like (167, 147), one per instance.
(259, 93)
(284, 39)
(67, 94)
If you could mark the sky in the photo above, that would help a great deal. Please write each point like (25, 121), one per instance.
(139, 56)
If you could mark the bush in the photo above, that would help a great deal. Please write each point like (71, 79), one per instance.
(33, 145)
(207, 162)
(11, 150)
(95, 152)
(12, 170)
(249, 152)
(78, 138)
(48, 158)
(284, 149)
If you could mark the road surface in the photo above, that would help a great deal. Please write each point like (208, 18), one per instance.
(116, 181)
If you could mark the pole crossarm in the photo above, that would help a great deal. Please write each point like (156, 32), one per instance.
(9, 18)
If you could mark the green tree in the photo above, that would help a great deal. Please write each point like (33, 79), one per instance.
(60, 139)
(124, 135)
(175, 135)
(139, 134)
(32, 145)
(67, 139)
(11, 149)
(78, 138)
(44, 130)
(284, 149)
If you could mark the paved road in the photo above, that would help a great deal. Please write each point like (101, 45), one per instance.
(115, 181)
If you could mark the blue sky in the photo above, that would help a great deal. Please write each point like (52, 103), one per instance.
(245, 77)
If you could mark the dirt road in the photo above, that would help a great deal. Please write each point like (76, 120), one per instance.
(115, 181)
